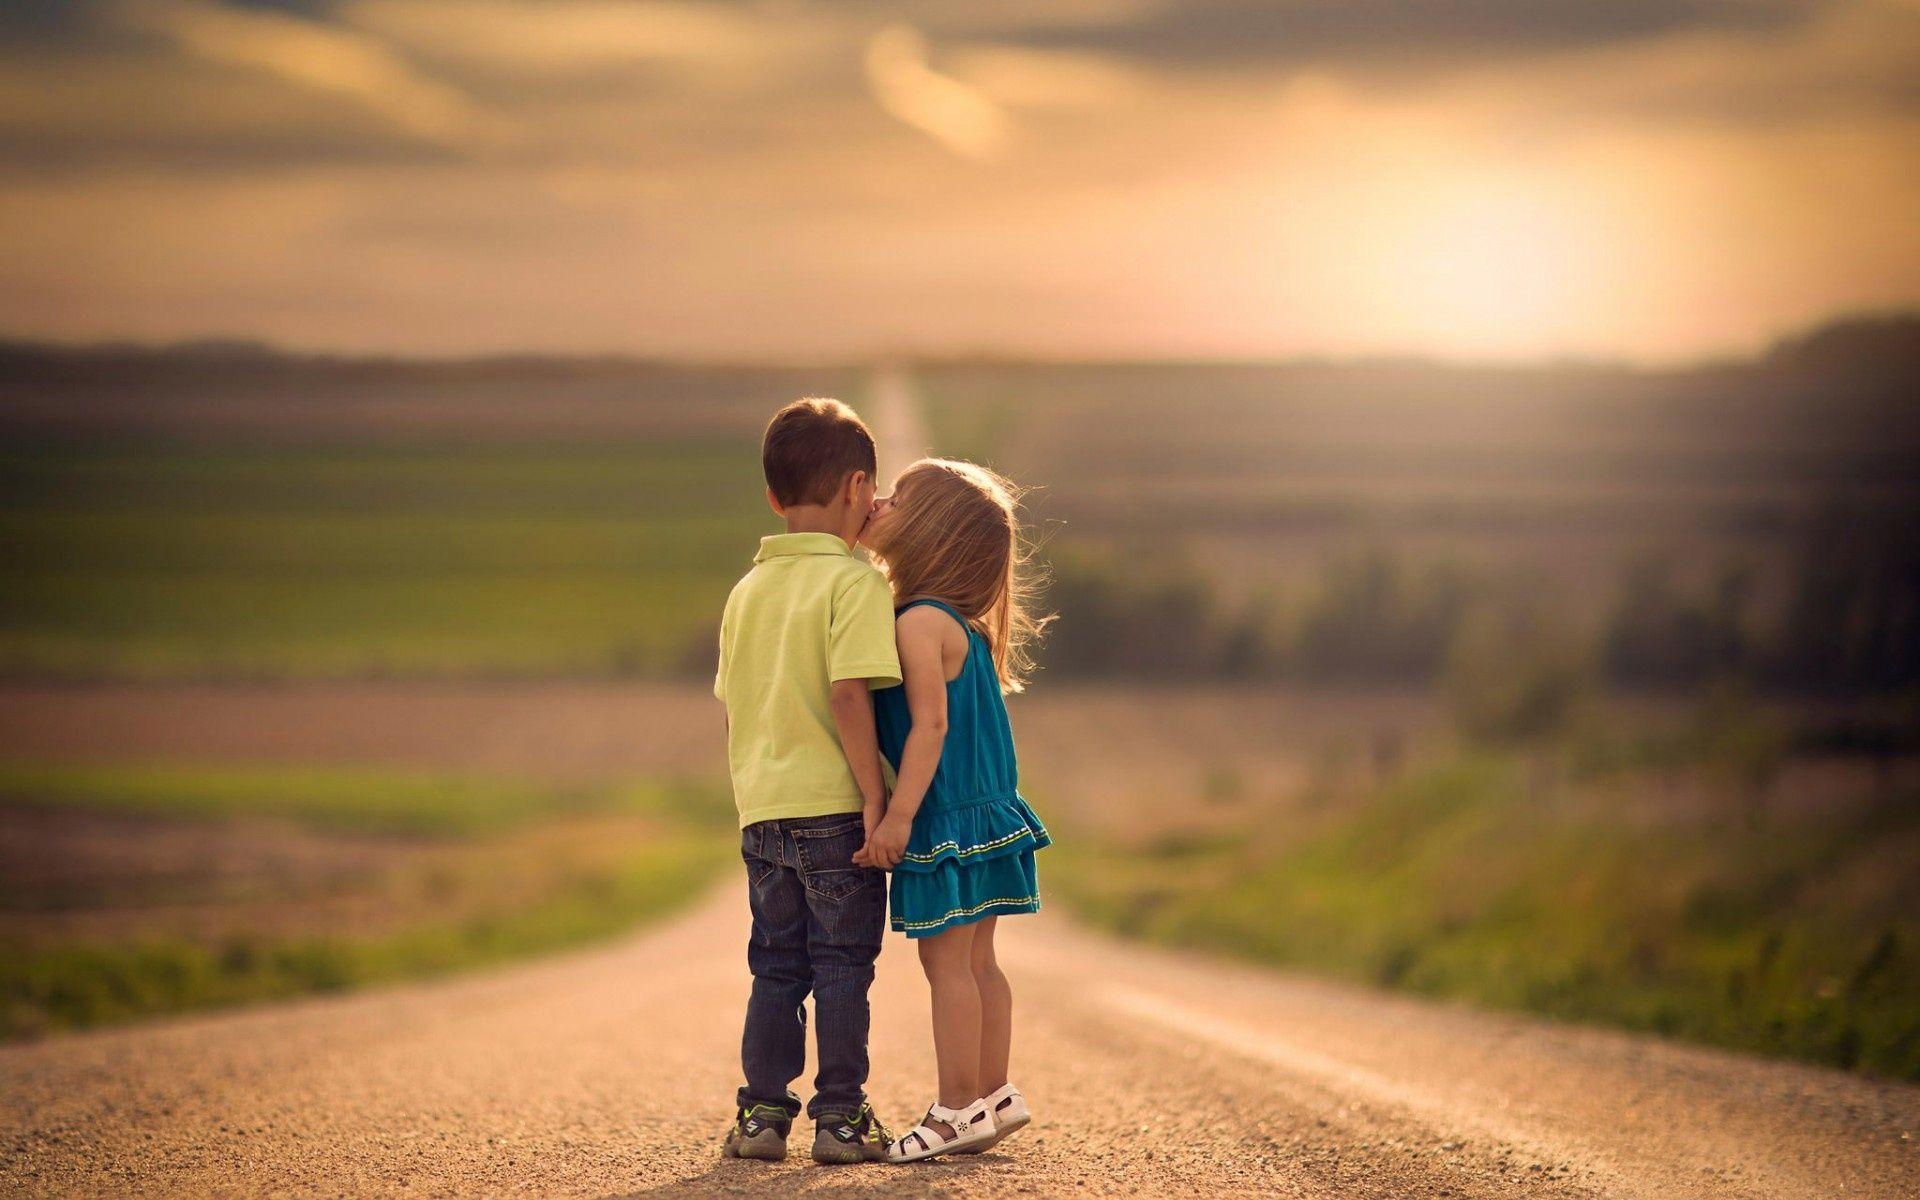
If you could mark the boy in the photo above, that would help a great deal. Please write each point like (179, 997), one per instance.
(806, 634)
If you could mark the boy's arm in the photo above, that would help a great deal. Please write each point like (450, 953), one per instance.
(852, 704)
(921, 630)
(861, 657)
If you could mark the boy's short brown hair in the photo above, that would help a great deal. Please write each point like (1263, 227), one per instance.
(811, 447)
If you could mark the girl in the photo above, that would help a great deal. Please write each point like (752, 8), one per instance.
(957, 834)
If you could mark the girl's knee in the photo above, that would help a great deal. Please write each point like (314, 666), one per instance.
(946, 951)
(991, 980)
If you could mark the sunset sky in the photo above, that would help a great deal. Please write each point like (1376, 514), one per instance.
(1650, 179)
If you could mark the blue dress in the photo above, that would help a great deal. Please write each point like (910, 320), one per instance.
(970, 855)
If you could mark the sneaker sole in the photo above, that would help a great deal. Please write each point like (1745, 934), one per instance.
(1000, 1134)
(765, 1146)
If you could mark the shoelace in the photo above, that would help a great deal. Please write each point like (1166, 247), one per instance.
(874, 1123)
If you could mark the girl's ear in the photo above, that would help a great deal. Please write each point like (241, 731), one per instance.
(773, 502)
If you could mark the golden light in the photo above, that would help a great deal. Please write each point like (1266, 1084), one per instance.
(1485, 265)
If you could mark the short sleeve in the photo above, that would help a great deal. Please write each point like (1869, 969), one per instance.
(860, 640)
(720, 672)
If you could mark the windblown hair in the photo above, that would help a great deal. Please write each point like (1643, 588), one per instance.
(955, 536)
(810, 448)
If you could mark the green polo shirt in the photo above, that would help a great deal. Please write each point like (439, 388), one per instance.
(808, 613)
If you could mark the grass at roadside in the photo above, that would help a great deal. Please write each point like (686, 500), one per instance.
(1791, 933)
(93, 983)
(332, 798)
(317, 880)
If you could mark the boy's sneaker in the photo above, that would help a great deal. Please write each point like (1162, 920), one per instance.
(838, 1139)
(759, 1132)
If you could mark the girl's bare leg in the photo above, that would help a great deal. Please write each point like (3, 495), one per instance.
(996, 1009)
(947, 960)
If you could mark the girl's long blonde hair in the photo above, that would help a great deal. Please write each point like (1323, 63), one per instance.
(955, 536)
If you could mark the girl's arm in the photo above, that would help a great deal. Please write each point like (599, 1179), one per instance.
(923, 670)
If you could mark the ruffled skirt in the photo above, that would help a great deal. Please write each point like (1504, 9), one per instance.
(967, 862)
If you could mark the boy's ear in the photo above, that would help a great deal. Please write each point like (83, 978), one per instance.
(773, 502)
(853, 486)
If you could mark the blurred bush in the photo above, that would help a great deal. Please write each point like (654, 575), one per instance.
(1515, 673)
(1853, 623)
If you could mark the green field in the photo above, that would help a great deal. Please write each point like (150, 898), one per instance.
(273, 562)
(185, 887)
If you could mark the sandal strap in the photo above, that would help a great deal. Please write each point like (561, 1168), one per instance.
(959, 1118)
(929, 1137)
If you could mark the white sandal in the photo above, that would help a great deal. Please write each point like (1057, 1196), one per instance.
(972, 1131)
(1010, 1114)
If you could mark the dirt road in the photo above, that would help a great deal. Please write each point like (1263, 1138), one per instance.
(608, 1073)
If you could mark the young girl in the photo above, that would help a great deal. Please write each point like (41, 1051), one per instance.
(957, 834)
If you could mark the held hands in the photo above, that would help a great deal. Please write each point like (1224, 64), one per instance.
(886, 844)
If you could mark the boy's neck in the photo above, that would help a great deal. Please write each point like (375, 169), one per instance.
(819, 518)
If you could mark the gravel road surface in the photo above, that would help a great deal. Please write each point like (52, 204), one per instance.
(609, 1073)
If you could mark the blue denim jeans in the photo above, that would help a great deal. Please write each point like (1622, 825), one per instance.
(817, 924)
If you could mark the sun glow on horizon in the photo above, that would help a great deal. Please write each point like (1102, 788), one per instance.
(1485, 265)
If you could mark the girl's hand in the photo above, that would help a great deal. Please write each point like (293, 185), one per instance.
(886, 846)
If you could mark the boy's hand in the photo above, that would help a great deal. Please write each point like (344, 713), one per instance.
(886, 845)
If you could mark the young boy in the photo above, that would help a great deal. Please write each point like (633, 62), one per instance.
(807, 633)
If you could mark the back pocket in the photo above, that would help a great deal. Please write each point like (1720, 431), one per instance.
(826, 859)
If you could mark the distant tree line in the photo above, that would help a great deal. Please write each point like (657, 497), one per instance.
(1849, 624)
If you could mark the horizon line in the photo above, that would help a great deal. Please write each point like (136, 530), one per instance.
(239, 347)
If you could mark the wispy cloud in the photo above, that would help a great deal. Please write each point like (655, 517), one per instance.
(1201, 34)
(569, 37)
(960, 117)
(1048, 79)
(321, 57)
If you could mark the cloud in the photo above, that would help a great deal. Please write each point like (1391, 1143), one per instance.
(571, 37)
(1196, 34)
(73, 109)
(958, 116)
(319, 57)
(1047, 79)
(1852, 63)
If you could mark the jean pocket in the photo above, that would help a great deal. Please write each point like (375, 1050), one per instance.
(826, 859)
(750, 852)
(757, 870)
